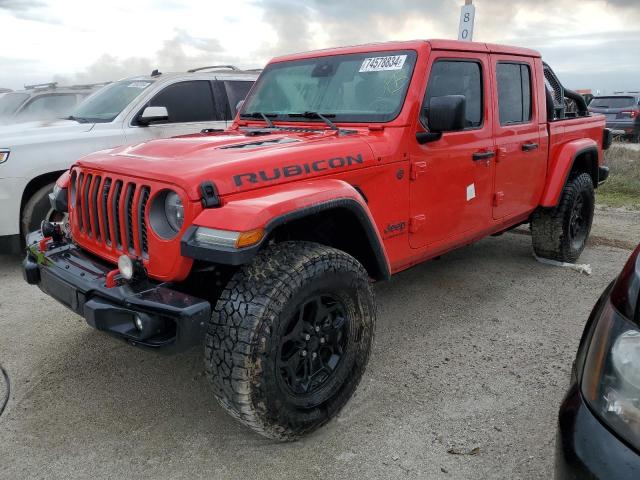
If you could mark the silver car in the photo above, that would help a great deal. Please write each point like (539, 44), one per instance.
(44, 102)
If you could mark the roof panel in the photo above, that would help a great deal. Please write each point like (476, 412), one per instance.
(436, 44)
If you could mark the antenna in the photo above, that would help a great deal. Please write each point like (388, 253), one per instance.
(467, 19)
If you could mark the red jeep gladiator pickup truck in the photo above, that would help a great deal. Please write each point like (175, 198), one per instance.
(343, 166)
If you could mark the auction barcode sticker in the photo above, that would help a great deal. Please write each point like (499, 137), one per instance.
(379, 64)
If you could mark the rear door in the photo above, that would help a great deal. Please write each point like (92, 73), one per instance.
(452, 178)
(231, 92)
(521, 160)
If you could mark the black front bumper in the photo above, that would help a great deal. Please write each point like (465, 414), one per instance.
(172, 321)
(586, 449)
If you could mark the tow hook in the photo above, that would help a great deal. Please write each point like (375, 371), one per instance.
(42, 244)
(112, 278)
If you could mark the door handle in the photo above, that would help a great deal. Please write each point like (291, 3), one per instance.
(478, 156)
(527, 147)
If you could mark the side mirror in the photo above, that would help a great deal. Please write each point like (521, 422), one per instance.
(444, 114)
(447, 113)
(153, 115)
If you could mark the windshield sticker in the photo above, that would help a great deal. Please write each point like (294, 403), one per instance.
(381, 64)
(138, 84)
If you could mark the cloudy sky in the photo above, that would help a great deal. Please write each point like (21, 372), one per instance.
(590, 43)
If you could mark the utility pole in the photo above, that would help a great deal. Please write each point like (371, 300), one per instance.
(467, 19)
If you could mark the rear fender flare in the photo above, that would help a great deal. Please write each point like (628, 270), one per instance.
(273, 207)
(558, 174)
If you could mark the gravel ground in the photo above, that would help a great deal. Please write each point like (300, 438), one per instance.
(472, 356)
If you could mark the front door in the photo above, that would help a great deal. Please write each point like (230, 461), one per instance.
(521, 160)
(452, 178)
(191, 109)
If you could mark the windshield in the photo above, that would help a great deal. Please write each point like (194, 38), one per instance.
(367, 87)
(107, 103)
(612, 102)
(10, 102)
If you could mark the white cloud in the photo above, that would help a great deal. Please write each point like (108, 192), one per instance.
(72, 39)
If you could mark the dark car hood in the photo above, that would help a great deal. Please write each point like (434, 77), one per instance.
(626, 291)
(235, 161)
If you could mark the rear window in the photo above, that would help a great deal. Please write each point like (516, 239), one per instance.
(612, 102)
(514, 93)
(236, 91)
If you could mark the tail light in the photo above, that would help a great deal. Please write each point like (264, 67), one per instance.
(630, 113)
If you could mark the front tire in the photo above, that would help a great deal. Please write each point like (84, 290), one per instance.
(289, 338)
(37, 209)
(561, 233)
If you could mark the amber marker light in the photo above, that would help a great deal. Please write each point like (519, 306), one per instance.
(246, 239)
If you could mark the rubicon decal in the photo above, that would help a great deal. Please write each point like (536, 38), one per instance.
(297, 169)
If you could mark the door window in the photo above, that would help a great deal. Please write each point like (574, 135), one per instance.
(455, 77)
(236, 91)
(514, 92)
(187, 102)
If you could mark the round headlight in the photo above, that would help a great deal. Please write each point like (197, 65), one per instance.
(625, 356)
(174, 211)
(125, 265)
(166, 215)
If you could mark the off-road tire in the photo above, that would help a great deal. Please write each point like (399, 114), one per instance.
(243, 341)
(551, 228)
(36, 209)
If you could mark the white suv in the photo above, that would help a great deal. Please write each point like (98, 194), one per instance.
(34, 155)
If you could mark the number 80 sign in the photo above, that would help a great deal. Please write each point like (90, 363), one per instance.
(467, 18)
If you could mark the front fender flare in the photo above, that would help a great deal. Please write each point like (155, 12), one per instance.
(272, 207)
(560, 169)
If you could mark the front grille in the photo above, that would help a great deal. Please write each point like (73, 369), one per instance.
(142, 207)
(128, 215)
(104, 208)
(111, 212)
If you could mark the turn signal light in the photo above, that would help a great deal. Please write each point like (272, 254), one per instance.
(246, 239)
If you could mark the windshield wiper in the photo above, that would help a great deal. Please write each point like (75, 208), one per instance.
(77, 119)
(264, 116)
(321, 116)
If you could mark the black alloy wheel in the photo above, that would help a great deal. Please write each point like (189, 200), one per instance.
(314, 344)
(579, 223)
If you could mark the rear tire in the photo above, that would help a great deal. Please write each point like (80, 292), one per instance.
(561, 233)
(289, 338)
